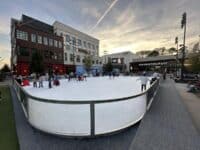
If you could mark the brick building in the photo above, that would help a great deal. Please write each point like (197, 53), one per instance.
(29, 35)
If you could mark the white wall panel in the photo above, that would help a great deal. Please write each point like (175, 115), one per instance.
(63, 119)
(113, 116)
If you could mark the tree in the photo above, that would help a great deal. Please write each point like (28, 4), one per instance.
(195, 48)
(153, 53)
(88, 62)
(183, 25)
(172, 50)
(143, 53)
(194, 63)
(5, 68)
(37, 64)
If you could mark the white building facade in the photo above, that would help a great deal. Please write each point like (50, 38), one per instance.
(120, 60)
(77, 45)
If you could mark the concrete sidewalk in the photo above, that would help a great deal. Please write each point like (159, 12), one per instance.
(167, 125)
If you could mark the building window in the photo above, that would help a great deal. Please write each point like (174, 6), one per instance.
(55, 43)
(97, 47)
(55, 56)
(89, 45)
(46, 54)
(78, 58)
(60, 56)
(60, 44)
(83, 61)
(84, 43)
(22, 35)
(73, 41)
(67, 38)
(39, 38)
(33, 38)
(23, 51)
(93, 62)
(79, 42)
(65, 56)
(97, 62)
(50, 42)
(33, 50)
(93, 47)
(45, 40)
(51, 55)
(74, 48)
(72, 57)
(67, 47)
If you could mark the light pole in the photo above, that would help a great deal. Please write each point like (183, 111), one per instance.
(199, 43)
(177, 60)
(105, 53)
(183, 25)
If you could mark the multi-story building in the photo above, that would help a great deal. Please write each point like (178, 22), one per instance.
(77, 46)
(29, 35)
(120, 60)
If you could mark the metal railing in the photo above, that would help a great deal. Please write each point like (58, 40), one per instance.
(24, 98)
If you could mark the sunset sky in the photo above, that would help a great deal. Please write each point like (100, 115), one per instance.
(120, 25)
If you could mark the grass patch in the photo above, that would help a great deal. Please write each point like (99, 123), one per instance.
(8, 136)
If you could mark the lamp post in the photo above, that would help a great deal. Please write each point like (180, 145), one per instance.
(105, 53)
(199, 43)
(183, 25)
(177, 60)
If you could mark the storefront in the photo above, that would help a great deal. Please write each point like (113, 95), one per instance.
(159, 63)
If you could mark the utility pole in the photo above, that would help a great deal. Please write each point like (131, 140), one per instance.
(199, 44)
(177, 60)
(105, 53)
(183, 25)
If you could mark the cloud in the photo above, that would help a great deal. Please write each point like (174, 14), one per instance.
(131, 25)
(148, 24)
(104, 14)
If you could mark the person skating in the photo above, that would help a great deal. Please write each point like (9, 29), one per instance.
(35, 81)
(49, 80)
(41, 81)
(144, 79)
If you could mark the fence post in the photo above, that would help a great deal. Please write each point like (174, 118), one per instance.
(92, 119)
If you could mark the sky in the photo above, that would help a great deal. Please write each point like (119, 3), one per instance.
(120, 25)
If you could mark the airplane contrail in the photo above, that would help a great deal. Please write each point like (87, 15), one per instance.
(104, 14)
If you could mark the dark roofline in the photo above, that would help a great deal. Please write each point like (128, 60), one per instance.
(36, 24)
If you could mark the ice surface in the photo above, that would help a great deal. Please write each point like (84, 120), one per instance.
(95, 88)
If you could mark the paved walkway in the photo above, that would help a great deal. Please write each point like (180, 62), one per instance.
(192, 103)
(32, 139)
(167, 125)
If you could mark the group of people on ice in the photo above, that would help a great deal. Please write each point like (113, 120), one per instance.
(41, 78)
(76, 76)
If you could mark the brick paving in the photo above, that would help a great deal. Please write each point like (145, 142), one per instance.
(167, 125)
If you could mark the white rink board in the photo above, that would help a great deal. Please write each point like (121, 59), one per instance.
(63, 119)
(114, 116)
